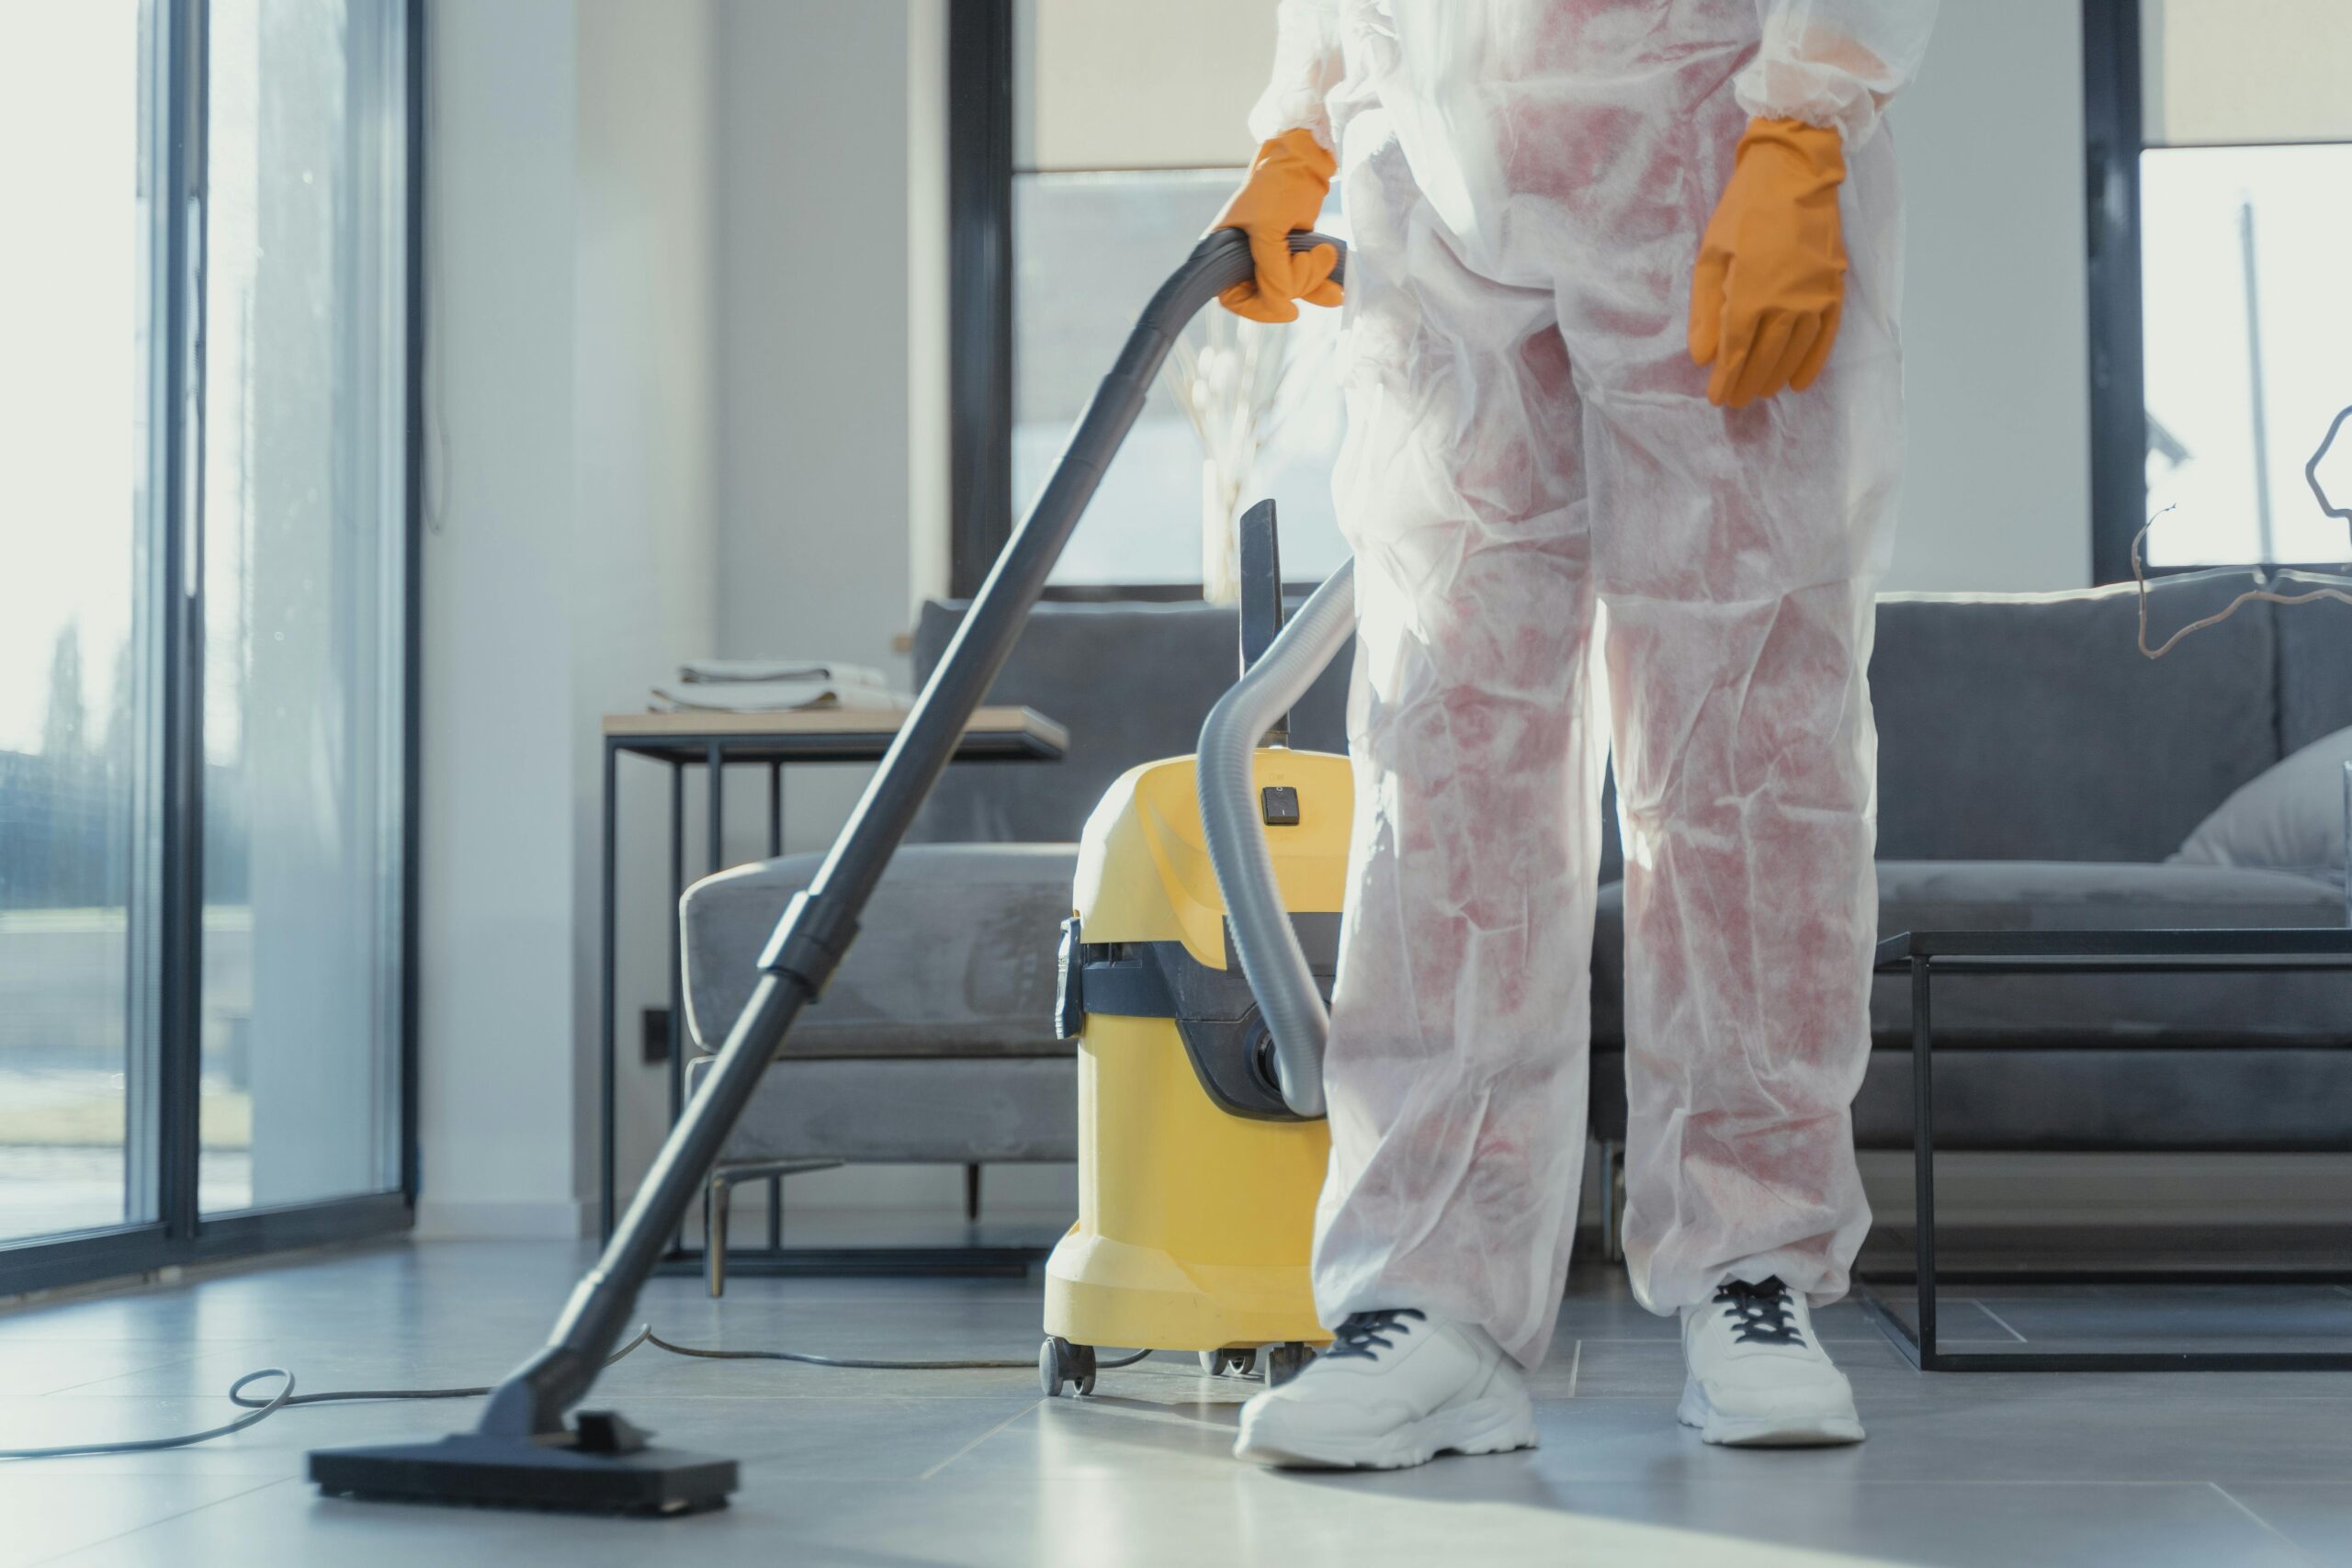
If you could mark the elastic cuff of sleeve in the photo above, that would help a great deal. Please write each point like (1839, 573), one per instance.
(1272, 127)
(1818, 96)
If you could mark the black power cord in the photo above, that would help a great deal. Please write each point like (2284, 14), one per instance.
(650, 1338)
(260, 1410)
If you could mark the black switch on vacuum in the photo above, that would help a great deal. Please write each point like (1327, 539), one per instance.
(1279, 805)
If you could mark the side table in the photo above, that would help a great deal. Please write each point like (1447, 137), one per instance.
(1924, 956)
(714, 741)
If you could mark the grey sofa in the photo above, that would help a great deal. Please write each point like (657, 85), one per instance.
(2035, 770)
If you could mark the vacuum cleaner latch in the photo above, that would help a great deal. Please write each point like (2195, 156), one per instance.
(1261, 597)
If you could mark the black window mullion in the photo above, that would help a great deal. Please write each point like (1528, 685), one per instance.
(178, 1064)
(979, 308)
(411, 587)
(2118, 415)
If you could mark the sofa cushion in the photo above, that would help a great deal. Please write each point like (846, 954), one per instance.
(2252, 1097)
(2060, 1010)
(2012, 726)
(2030, 726)
(938, 1111)
(1132, 681)
(2290, 818)
(954, 956)
(2226, 1098)
(2314, 669)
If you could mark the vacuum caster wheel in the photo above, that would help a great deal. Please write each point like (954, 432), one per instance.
(1060, 1363)
(1284, 1363)
(1241, 1361)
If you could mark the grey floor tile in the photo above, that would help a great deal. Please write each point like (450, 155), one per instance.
(952, 1467)
(45, 1513)
(2184, 1318)
(2317, 1518)
(1485, 1511)
(1240, 1518)
(2018, 1436)
(47, 1366)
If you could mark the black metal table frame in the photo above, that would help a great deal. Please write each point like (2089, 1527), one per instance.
(1924, 955)
(715, 753)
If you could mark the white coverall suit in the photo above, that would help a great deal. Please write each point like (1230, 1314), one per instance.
(1555, 529)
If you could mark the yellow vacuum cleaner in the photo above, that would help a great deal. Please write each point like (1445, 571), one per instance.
(1194, 978)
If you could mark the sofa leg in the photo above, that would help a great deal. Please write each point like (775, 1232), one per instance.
(1613, 1201)
(716, 1202)
(971, 1194)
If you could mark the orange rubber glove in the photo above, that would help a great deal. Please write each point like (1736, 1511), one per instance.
(1772, 277)
(1284, 191)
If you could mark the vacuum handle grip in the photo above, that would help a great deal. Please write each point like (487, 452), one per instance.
(1217, 264)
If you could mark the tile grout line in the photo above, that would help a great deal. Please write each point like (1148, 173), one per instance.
(167, 1519)
(1996, 1317)
(975, 1442)
(119, 1377)
(2239, 1504)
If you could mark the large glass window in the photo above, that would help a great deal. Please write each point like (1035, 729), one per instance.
(203, 627)
(303, 551)
(2222, 135)
(73, 276)
(1123, 154)
(2249, 323)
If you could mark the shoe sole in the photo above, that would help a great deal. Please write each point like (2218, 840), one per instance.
(1481, 1426)
(1787, 1429)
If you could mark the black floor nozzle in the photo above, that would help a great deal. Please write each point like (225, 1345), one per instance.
(604, 1467)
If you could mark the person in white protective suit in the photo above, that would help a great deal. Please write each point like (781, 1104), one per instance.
(1624, 419)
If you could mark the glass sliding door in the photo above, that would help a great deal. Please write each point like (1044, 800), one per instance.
(303, 534)
(206, 627)
(75, 276)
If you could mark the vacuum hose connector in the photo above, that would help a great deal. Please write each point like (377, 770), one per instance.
(1287, 999)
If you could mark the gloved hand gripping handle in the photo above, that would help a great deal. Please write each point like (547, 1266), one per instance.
(820, 924)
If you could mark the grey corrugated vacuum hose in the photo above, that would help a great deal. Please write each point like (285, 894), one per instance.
(1287, 1000)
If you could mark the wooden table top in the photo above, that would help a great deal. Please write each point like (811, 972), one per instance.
(1022, 728)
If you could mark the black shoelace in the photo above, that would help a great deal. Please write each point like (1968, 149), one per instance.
(1761, 1310)
(1362, 1330)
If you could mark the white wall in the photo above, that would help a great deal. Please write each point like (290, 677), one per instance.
(689, 283)
(930, 495)
(830, 234)
(814, 156)
(497, 889)
(1997, 490)
(646, 426)
(573, 287)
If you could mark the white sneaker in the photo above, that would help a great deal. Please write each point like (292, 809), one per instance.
(1758, 1376)
(1393, 1390)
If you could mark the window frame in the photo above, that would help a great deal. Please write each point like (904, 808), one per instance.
(2114, 137)
(980, 78)
(163, 1130)
(979, 298)
(2118, 419)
